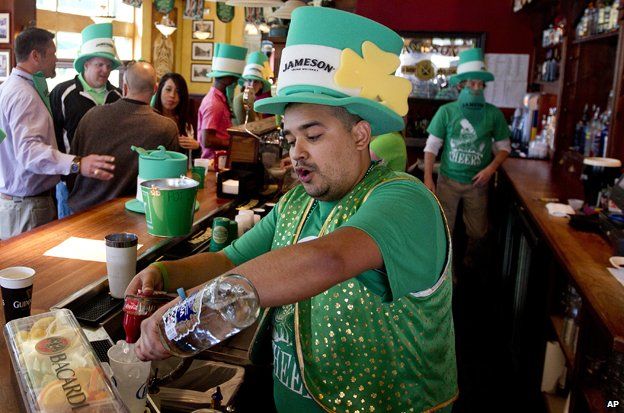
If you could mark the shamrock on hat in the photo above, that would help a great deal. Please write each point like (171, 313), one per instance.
(257, 68)
(471, 66)
(228, 60)
(336, 58)
(97, 41)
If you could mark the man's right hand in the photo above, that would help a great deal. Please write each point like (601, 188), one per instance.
(97, 167)
(430, 184)
(148, 281)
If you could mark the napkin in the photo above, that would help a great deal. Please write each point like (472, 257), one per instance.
(618, 274)
(85, 249)
(559, 210)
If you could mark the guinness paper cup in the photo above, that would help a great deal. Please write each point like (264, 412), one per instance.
(16, 284)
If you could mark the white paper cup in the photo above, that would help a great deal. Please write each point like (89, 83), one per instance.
(16, 285)
(121, 257)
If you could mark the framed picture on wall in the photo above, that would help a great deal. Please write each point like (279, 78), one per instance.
(201, 51)
(199, 72)
(203, 29)
(5, 28)
(5, 64)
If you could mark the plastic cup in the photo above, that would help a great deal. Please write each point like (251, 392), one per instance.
(199, 174)
(121, 258)
(16, 284)
(129, 375)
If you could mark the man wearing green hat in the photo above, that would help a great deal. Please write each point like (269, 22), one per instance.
(353, 265)
(467, 131)
(214, 116)
(30, 163)
(70, 100)
(256, 86)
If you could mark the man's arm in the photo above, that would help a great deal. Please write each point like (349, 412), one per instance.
(209, 140)
(432, 148)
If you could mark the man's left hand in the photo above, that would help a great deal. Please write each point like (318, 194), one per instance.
(149, 346)
(483, 177)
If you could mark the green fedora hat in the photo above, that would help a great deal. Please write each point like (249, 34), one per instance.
(336, 58)
(257, 68)
(228, 60)
(97, 41)
(471, 66)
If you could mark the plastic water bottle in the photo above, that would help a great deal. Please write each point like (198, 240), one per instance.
(221, 309)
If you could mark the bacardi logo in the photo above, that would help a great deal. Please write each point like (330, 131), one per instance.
(52, 345)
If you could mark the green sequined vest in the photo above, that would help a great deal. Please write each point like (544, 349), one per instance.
(357, 353)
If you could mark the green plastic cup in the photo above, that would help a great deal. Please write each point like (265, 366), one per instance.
(169, 206)
(199, 174)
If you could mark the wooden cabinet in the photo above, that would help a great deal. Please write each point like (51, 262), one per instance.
(21, 15)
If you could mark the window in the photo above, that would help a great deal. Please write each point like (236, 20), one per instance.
(66, 18)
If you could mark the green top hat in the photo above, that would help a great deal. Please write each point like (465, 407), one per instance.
(471, 66)
(228, 60)
(257, 68)
(336, 58)
(97, 41)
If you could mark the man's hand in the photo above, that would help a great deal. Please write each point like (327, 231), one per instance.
(429, 183)
(148, 281)
(483, 177)
(149, 346)
(187, 142)
(97, 167)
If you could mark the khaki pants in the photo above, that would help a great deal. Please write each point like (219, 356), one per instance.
(23, 214)
(450, 192)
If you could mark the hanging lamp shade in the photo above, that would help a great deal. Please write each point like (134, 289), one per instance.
(255, 3)
(285, 11)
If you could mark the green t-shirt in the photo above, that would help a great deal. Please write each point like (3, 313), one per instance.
(467, 147)
(98, 95)
(390, 148)
(413, 247)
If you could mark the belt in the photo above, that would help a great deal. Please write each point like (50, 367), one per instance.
(21, 198)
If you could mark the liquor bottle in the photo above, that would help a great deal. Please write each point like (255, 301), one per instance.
(614, 14)
(216, 399)
(222, 308)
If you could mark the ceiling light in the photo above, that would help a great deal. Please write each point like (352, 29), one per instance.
(201, 35)
(255, 3)
(166, 26)
(287, 8)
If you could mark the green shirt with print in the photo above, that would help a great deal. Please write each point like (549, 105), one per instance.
(390, 148)
(414, 234)
(467, 147)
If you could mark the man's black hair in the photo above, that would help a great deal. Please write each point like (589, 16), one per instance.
(31, 39)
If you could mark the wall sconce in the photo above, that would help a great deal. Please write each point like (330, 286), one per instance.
(166, 26)
(255, 3)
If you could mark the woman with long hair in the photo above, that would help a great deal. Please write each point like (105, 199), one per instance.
(172, 101)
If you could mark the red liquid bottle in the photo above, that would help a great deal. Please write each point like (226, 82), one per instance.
(136, 309)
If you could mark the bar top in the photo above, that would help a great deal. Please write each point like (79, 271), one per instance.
(585, 256)
(57, 278)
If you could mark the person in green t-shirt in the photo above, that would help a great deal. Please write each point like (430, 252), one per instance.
(390, 149)
(467, 131)
(352, 265)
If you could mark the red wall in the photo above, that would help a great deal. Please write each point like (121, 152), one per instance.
(506, 32)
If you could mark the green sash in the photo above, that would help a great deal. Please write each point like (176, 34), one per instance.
(355, 352)
(41, 86)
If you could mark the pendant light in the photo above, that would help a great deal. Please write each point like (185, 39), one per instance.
(286, 10)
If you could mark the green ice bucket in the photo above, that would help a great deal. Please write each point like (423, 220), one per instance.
(169, 206)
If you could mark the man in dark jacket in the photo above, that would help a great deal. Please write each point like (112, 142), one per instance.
(70, 100)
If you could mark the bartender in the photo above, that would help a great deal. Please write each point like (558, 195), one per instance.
(353, 264)
(467, 131)
(215, 116)
(255, 81)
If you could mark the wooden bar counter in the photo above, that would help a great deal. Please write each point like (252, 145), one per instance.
(584, 256)
(57, 278)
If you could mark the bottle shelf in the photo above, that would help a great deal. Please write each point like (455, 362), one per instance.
(613, 35)
(557, 323)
